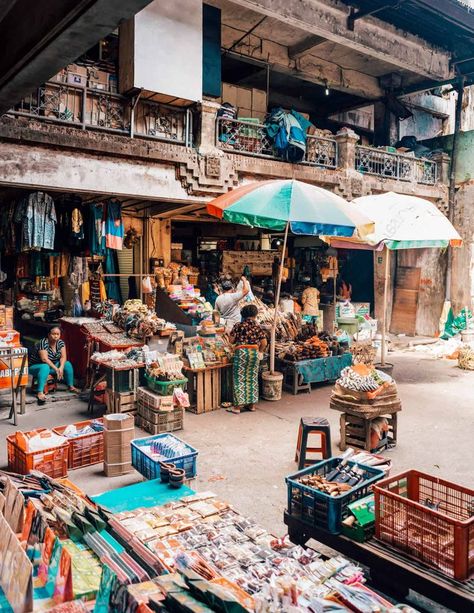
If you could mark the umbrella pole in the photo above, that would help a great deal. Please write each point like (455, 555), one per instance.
(277, 303)
(385, 301)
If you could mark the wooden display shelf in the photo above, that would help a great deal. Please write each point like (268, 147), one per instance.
(390, 571)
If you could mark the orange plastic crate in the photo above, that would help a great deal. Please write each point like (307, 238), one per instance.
(52, 462)
(84, 450)
(430, 519)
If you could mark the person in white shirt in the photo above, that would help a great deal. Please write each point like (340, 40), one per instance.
(227, 304)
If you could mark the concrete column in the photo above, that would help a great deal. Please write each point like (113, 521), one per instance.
(385, 125)
(160, 239)
(207, 137)
(443, 162)
(346, 141)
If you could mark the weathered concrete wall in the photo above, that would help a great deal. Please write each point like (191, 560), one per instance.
(462, 287)
(465, 162)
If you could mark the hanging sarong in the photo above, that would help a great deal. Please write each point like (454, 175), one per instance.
(245, 374)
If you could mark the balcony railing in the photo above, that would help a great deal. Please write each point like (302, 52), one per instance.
(251, 139)
(99, 110)
(395, 165)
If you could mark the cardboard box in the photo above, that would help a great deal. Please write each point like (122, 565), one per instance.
(118, 422)
(77, 75)
(259, 100)
(6, 317)
(244, 97)
(98, 79)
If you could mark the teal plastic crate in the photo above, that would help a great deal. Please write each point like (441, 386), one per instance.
(164, 388)
(150, 468)
(319, 509)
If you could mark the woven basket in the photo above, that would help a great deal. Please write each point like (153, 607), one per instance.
(466, 358)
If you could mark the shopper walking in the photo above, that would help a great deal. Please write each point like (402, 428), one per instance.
(49, 357)
(249, 340)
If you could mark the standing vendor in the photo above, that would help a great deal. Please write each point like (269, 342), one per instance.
(249, 339)
(227, 304)
(310, 300)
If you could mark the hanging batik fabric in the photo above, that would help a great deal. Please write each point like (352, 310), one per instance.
(113, 225)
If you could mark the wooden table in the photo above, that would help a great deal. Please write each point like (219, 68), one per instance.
(205, 387)
(390, 571)
(99, 374)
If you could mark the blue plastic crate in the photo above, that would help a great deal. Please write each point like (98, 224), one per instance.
(319, 509)
(150, 468)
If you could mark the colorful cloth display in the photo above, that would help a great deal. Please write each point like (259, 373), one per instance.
(36, 215)
(114, 230)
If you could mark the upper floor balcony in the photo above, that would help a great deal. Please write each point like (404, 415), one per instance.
(251, 138)
(200, 133)
(94, 109)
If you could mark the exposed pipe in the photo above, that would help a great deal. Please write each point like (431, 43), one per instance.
(452, 177)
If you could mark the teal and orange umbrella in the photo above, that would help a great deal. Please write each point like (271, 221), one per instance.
(280, 204)
(287, 204)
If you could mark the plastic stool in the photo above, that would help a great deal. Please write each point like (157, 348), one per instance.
(313, 426)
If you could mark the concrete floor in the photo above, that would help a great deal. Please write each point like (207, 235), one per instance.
(245, 458)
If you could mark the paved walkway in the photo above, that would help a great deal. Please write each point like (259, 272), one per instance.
(245, 458)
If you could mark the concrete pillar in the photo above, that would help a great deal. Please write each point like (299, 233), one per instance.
(207, 137)
(385, 125)
(159, 240)
(443, 162)
(346, 141)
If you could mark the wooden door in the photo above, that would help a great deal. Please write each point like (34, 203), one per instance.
(405, 300)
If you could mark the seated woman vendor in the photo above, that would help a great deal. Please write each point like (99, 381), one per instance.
(49, 357)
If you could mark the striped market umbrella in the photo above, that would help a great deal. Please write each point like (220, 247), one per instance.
(290, 205)
(280, 204)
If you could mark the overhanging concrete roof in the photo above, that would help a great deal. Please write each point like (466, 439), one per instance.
(40, 38)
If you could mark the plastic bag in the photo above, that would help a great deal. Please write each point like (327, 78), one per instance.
(146, 285)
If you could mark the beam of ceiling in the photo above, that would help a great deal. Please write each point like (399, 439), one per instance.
(310, 68)
(37, 43)
(305, 46)
(375, 38)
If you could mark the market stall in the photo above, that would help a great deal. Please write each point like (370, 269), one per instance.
(149, 546)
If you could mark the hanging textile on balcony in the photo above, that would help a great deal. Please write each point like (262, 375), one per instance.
(288, 133)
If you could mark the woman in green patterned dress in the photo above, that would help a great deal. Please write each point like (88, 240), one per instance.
(249, 339)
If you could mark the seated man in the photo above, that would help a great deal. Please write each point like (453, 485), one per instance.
(49, 358)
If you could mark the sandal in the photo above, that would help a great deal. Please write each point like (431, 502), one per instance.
(235, 410)
(251, 408)
(73, 390)
(41, 399)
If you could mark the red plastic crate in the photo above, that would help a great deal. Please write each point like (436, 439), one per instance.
(428, 518)
(84, 450)
(52, 462)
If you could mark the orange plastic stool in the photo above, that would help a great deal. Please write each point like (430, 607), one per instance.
(313, 426)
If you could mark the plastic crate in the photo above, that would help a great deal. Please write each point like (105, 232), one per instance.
(440, 535)
(150, 468)
(52, 462)
(84, 450)
(319, 509)
(164, 388)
